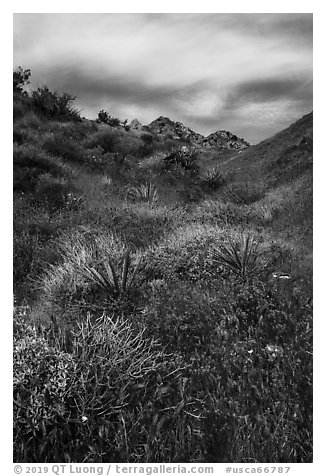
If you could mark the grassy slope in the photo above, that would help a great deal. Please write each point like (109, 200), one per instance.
(254, 162)
(280, 171)
(234, 383)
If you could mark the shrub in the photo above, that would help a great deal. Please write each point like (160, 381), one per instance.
(114, 122)
(30, 121)
(107, 140)
(147, 147)
(183, 157)
(58, 145)
(103, 116)
(22, 105)
(53, 105)
(114, 396)
(186, 253)
(29, 163)
(20, 79)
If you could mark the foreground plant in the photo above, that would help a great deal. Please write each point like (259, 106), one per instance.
(107, 276)
(113, 395)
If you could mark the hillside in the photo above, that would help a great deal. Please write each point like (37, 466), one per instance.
(283, 157)
(277, 175)
(163, 298)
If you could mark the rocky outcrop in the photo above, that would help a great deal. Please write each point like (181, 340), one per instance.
(178, 131)
(135, 124)
(225, 140)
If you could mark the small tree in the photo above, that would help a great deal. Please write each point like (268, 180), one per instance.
(20, 79)
(103, 116)
(54, 105)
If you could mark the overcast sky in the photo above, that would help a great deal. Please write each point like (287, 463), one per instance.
(247, 73)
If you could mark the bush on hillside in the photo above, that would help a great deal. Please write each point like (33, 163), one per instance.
(187, 254)
(20, 79)
(22, 105)
(66, 148)
(29, 163)
(53, 105)
(107, 140)
(104, 117)
(148, 147)
(184, 158)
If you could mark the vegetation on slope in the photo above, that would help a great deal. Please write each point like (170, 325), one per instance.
(156, 319)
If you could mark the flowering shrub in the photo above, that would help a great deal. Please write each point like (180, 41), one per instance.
(42, 381)
(105, 394)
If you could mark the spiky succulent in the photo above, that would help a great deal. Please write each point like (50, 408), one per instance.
(107, 277)
(242, 259)
(213, 177)
(145, 192)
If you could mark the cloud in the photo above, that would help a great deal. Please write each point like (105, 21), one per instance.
(202, 68)
(267, 90)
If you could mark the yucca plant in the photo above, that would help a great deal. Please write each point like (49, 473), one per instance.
(240, 259)
(213, 177)
(107, 276)
(145, 192)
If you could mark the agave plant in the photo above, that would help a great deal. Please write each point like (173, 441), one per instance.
(240, 259)
(145, 192)
(213, 177)
(107, 276)
(184, 158)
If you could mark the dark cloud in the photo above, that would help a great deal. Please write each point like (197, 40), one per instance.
(267, 90)
(297, 26)
(96, 90)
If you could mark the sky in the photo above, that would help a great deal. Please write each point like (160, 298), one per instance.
(247, 73)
